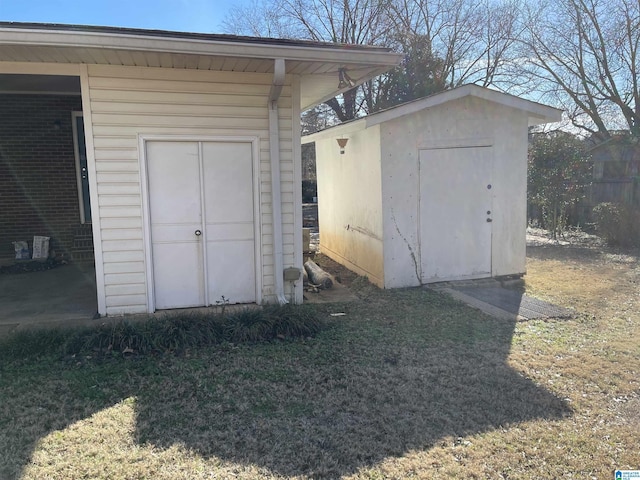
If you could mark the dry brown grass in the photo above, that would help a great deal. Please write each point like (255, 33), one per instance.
(409, 384)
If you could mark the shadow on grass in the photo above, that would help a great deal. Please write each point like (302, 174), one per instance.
(402, 372)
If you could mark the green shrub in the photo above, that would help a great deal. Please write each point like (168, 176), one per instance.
(617, 224)
(165, 334)
(293, 320)
(247, 325)
(559, 170)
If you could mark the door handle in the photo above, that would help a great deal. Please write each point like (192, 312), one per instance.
(198, 233)
(489, 220)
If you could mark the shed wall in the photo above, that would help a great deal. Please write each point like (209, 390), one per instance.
(350, 202)
(126, 102)
(465, 122)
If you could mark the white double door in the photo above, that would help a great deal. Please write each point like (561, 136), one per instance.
(456, 213)
(201, 204)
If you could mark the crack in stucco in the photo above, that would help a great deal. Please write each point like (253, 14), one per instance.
(411, 252)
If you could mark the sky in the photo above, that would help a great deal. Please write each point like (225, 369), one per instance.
(204, 16)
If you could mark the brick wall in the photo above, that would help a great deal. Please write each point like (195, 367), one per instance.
(38, 187)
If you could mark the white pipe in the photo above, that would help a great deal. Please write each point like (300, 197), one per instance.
(276, 194)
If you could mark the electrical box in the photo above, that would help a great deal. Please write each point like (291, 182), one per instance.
(291, 274)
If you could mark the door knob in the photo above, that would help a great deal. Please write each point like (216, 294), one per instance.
(198, 233)
(489, 220)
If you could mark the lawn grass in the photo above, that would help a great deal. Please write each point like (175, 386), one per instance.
(407, 384)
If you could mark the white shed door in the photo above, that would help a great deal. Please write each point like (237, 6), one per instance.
(202, 222)
(455, 213)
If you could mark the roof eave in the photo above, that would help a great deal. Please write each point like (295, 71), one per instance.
(152, 43)
(358, 79)
(538, 113)
(362, 62)
(342, 129)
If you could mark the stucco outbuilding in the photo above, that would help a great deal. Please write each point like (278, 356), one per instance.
(432, 190)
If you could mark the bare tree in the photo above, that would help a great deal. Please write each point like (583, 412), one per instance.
(582, 55)
(260, 18)
(471, 38)
(316, 119)
(445, 42)
(356, 22)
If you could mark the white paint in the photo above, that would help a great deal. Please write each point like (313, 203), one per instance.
(537, 112)
(431, 228)
(175, 211)
(133, 41)
(96, 226)
(316, 65)
(137, 87)
(455, 204)
(349, 202)
(229, 204)
(276, 192)
(201, 210)
(472, 122)
(297, 287)
(119, 137)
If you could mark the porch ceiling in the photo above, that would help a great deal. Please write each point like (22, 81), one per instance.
(316, 63)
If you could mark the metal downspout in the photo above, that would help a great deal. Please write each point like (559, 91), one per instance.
(276, 195)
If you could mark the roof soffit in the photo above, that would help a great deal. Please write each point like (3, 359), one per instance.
(316, 63)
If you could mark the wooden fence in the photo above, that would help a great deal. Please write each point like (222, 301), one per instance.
(625, 191)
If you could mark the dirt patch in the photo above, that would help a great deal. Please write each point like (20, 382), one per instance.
(342, 274)
(347, 287)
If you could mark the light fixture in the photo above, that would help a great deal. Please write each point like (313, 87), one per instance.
(342, 142)
(344, 80)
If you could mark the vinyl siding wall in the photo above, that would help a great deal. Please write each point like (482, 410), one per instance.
(129, 101)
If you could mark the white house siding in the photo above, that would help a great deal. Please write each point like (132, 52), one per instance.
(350, 202)
(465, 122)
(129, 101)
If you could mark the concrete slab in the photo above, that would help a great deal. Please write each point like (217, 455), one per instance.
(480, 305)
(517, 303)
(65, 294)
(493, 298)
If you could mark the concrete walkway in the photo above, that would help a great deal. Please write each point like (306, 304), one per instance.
(63, 295)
